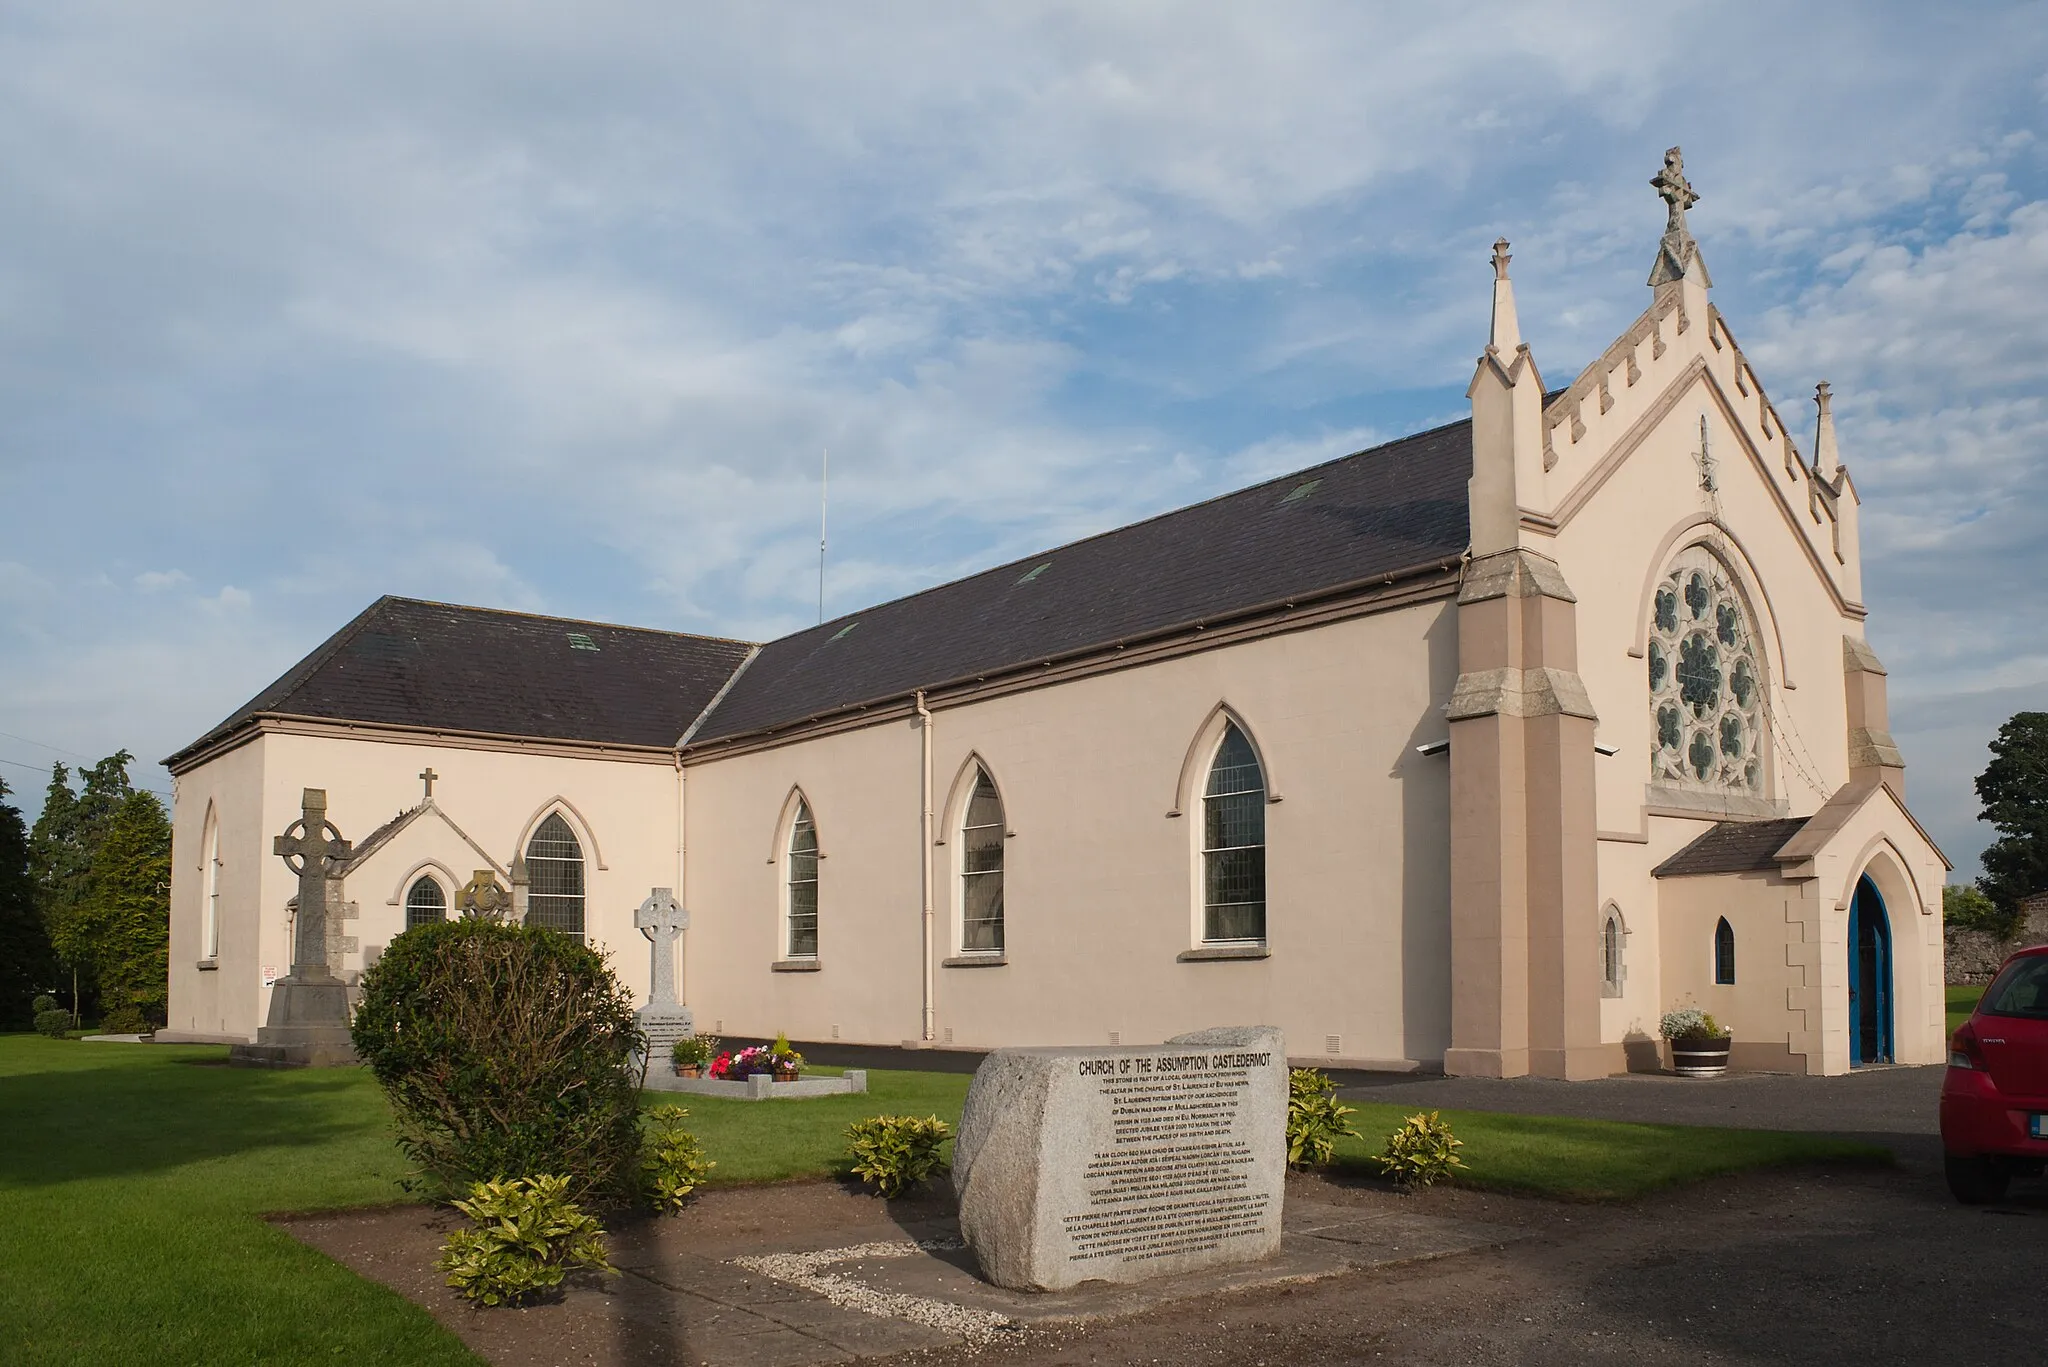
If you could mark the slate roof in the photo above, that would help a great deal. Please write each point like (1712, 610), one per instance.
(405, 662)
(1376, 513)
(1733, 847)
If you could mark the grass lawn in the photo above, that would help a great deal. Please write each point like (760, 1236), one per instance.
(132, 1179)
(1961, 1002)
(1597, 1160)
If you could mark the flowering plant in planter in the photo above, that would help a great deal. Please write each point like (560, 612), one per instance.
(1699, 1043)
(757, 1058)
(1691, 1023)
(693, 1053)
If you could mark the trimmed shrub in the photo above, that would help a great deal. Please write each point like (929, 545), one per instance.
(506, 1050)
(53, 1023)
(1315, 1118)
(893, 1153)
(527, 1237)
(1421, 1153)
(43, 1002)
(124, 1020)
(673, 1164)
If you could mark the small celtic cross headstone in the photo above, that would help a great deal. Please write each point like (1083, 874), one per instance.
(662, 920)
(483, 896)
(310, 847)
(664, 1019)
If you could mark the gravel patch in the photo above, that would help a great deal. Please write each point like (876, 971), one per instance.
(805, 1270)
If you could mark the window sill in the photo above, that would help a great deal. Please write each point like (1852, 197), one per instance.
(794, 966)
(209, 965)
(1220, 953)
(975, 961)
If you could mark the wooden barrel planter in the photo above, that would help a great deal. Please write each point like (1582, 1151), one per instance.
(1700, 1057)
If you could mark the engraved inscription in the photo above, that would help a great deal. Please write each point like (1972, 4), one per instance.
(1177, 1175)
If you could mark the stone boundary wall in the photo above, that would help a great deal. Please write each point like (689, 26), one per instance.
(1973, 956)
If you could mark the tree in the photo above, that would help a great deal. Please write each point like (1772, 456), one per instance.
(1966, 907)
(127, 910)
(2014, 791)
(62, 846)
(26, 965)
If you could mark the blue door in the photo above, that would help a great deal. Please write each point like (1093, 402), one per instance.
(1870, 977)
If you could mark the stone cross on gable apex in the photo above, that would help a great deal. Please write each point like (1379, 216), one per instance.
(427, 775)
(1677, 192)
(1500, 258)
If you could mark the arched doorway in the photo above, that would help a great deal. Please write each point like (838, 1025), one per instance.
(1870, 977)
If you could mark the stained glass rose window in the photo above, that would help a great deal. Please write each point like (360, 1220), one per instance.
(1706, 687)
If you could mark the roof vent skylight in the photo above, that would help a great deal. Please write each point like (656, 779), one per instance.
(1035, 573)
(1301, 491)
(844, 631)
(580, 641)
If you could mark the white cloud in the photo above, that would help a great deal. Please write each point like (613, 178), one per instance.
(155, 581)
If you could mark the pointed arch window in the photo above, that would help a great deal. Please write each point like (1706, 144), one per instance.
(1234, 842)
(1724, 953)
(803, 884)
(1613, 942)
(425, 902)
(982, 830)
(554, 869)
(210, 932)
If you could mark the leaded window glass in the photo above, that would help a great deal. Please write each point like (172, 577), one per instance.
(1724, 952)
(425, 903)
(803, 884)
(1234, 843)
(554, 870)
(981, 869)
(1706, 684)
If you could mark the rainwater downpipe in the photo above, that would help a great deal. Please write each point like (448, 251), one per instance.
(924, 862)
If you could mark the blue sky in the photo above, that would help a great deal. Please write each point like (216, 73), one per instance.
(554, 307)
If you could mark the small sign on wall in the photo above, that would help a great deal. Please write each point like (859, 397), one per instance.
(269, 975)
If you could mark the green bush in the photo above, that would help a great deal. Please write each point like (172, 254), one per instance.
(53, 1023)
(1690, 1023)
(1315, 1118)
(673, 1164)
(43, 1002)
(124, 1020)
(1422, 1152)
(506, 1050)
(1964, 905)
(527, 1236)
(893, 1153)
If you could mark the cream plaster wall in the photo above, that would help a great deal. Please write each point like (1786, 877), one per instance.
(622, 810)
(1100, 882)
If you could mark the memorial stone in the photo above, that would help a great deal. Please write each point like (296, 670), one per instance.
(309, 1011)
(664, 1020)
(1122, 1164)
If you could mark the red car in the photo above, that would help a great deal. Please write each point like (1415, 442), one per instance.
(1994, 1097)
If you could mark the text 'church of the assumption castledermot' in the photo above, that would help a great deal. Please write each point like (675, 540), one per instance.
(1476, 751)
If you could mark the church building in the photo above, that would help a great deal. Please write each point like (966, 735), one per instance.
(1475, 751)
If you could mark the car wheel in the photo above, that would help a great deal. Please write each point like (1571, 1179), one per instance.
(1973, 1181)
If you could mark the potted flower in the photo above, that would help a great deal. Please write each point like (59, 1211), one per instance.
(786, 1061)
(693, 1053)
(1699, 1043)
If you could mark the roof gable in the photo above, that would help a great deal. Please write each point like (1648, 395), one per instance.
(405, 662)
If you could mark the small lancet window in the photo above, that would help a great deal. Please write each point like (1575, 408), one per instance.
(803, 884)
(1234, 842)
(1724, 953)
(425, 903)
(1613, 939)
(981, 869)
(554, 868)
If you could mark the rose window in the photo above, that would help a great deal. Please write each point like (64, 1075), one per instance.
(1706, 691)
